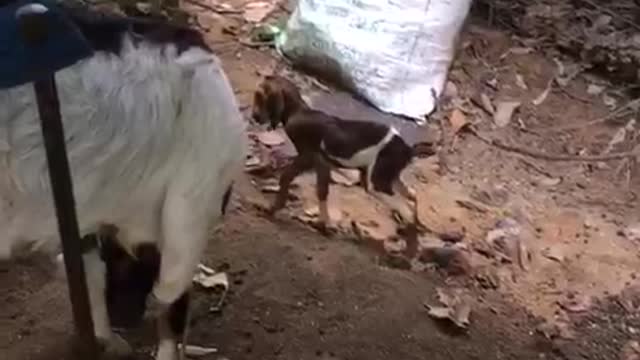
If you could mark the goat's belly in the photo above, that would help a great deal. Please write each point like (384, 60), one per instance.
(362, 158)
(29, 222)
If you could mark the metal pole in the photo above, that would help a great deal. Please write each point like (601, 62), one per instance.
(62, 188)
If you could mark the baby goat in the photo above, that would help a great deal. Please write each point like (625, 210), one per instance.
(323, 141)
(155, 140)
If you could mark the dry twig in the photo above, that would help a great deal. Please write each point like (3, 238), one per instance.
(620, 111)
(215, 9)
(550, 157)
(615, 14)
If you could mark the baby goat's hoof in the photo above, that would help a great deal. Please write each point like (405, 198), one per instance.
(116, 347)
(412, 195)
(324, 229)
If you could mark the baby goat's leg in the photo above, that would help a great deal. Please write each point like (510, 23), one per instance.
(404, 190)
(300, 164)
(96, 273)
(364, 179)
(323, 178)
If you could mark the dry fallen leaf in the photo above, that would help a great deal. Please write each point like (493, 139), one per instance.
(609, 101)
(252, 161)
(520, 82)
(576, 305)
(594, 89)
(197, 351)
(620, 136)
(212, 281)
(205, 269)
(256, 11)
(455, 308)
(271, 138)
(504, 112)
(270, 188)
(553, 253)
(486, 104)
(457, 120)
(543, 96)
(439, 312)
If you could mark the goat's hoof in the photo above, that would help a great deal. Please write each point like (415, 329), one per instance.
(167, 351)
(274, 209)
(116, 347)
(155, 307)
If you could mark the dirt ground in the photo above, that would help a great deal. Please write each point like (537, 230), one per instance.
(569, 290)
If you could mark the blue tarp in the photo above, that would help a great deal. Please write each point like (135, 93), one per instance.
(21, 62)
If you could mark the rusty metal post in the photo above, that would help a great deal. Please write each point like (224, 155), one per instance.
(34, 30)
(62, 188)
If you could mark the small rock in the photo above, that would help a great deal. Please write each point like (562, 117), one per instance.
(369, 230)
(397, 261)
(550, 181)
(576, 305)
(594, 89)
(632, 232)
(457, 120)
(454, 261)
(553, 253)
(452, 236)
(395, 246)
(496, 197)
(555, 330)
(493, 83)
(631, 351)
(488, 279)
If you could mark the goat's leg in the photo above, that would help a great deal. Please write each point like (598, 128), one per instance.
(171, 326)
(185, 239)
(323, 178)
(299, 165)
(96, 272)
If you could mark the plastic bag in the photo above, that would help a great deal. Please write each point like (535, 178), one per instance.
(395, 54)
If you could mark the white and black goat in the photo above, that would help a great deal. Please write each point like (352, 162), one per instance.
(323, 141)
(154, 138)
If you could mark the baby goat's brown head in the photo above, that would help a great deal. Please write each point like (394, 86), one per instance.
(275, 101)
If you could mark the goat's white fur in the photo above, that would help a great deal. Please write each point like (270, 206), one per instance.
(154, 140)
